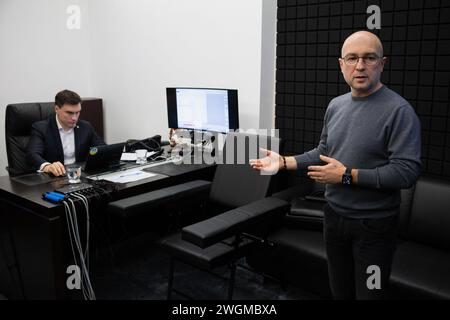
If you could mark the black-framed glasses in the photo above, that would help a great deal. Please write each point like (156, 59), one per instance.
(368, 60)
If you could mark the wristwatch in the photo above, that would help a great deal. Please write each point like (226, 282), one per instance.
(347, 177)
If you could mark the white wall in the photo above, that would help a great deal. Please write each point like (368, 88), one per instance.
(268, 65)
(128, 51)
(141, 47)
(39, 56)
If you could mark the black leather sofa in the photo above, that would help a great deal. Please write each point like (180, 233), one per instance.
(421, 267)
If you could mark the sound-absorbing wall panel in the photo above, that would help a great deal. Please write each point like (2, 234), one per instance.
(416, 39)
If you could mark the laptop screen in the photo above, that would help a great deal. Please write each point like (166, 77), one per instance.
(104, 157)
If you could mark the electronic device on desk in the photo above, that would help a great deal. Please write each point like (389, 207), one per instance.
(203, 109)
(62, 194)
(71, 188)
(104, 158)
(153, 145)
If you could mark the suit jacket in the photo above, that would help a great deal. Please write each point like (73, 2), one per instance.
(45, 142)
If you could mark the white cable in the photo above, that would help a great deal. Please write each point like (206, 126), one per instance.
(88, 223)
(85, 271)
(67, 211)
(86, 205)
(85, 200)
(73, 231)
(78, 246)
(86, 250)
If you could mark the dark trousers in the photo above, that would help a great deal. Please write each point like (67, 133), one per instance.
(360, 254)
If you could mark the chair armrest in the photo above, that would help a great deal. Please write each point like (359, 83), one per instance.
(222, 226)
(135, 205)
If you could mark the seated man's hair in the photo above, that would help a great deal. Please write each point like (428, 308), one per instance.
(67, 96)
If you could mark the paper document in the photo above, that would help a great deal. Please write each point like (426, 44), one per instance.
(128, 156)
(131, 156)
(127, 176)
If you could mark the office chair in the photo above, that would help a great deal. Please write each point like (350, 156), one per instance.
(223, 238)
(18, 121)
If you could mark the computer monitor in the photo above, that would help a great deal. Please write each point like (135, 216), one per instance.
(203, 109)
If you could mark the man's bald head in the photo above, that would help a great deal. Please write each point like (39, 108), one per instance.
(362, 63)
(365, 39)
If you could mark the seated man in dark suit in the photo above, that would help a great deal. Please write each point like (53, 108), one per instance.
(63, 139)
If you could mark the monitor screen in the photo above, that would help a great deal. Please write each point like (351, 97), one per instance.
(214, 110)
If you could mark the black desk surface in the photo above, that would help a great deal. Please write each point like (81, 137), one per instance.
(28, 189)
(173, 170)
(39, 241)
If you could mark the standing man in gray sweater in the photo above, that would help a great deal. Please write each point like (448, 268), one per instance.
(369, 149)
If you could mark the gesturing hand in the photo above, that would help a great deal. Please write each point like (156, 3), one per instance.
(270, 164)
(330, 173)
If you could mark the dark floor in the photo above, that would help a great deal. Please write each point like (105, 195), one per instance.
(139, 270)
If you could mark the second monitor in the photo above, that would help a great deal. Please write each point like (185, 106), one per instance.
(203, 109)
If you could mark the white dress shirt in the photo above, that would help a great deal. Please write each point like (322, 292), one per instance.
(68, 144)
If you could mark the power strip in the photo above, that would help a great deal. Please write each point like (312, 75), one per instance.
(67, 190)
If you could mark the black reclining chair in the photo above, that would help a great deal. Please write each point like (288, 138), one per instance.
(18, 121)
(305, 213)
(223, 238)
(307, 201)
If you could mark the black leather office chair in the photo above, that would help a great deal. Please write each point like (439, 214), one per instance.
(222, 239)
(18, 121)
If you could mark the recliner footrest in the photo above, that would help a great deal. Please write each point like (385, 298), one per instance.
(133, 206)
(222, 226)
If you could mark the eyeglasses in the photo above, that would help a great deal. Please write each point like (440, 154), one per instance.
(369, 60)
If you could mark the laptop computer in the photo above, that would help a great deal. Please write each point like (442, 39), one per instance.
(104, 158)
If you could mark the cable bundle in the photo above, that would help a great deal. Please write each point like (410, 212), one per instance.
(80, 256)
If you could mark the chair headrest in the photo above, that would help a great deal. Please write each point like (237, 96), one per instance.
(19, 117)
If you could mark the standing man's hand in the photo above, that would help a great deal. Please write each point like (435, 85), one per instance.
(56, 168)
(270, 164)
(330, 173)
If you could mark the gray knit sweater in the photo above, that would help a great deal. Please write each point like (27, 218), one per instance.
(380, 136)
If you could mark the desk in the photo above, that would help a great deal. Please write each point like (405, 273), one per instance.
(32, 245)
